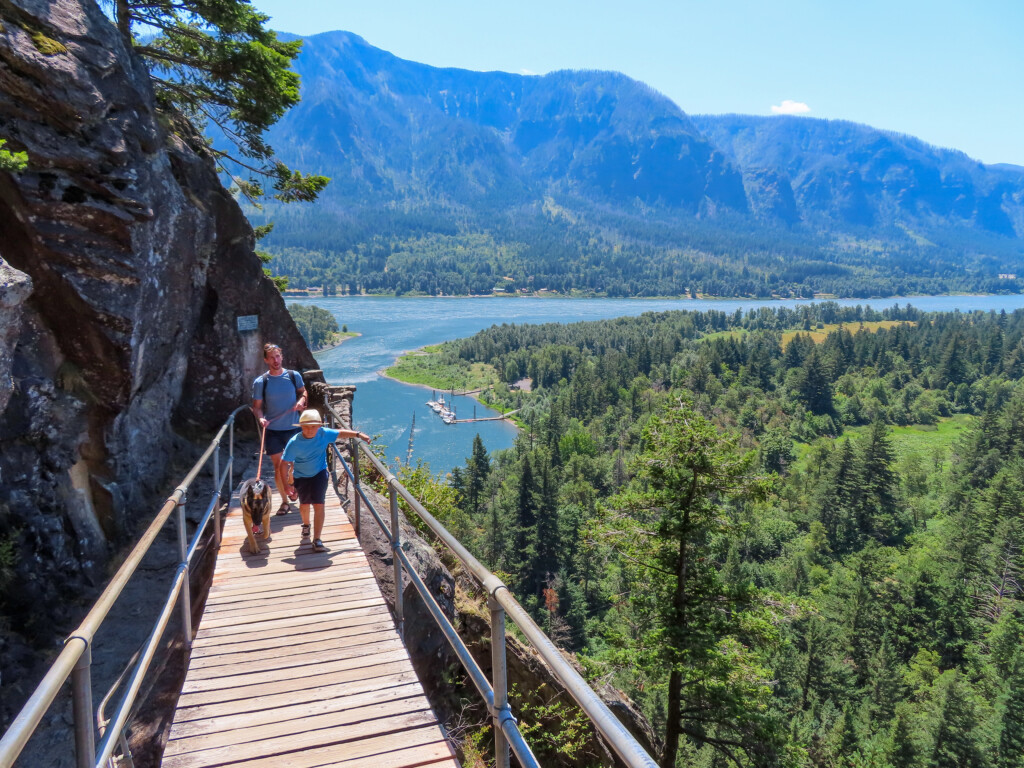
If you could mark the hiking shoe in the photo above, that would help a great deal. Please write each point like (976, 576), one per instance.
(318, 546)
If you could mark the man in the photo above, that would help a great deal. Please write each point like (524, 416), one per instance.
(305, 467)
(276, 396)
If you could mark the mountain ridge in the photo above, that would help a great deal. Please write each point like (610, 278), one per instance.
(418, 151)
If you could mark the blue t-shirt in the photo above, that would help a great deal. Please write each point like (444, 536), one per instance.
(310, 454)
(279, 404)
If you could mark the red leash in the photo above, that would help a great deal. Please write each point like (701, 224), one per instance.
(259, 467)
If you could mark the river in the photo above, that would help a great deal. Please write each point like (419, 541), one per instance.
(392, 326)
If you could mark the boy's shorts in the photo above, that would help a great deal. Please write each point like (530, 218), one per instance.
(276, 439)
(312, 490)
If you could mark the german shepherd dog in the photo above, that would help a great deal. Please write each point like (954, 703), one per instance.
(257, 500)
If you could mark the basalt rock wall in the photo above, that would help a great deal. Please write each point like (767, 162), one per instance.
(124, 266)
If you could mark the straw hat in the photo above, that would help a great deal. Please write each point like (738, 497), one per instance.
(310, 417)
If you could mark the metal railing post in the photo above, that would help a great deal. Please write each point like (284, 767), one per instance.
(81, 705)
(231, 455)
(216, 492)
(186, 592)
(396, 544)
(353, 449)
(499, 681)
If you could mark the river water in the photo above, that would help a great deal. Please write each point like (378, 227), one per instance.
(392, 326)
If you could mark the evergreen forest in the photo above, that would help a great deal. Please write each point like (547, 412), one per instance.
(316, 325)
(438, 252)
(794, 537)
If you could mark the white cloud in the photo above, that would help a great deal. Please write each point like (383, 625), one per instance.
(790, 107)
(528, 72)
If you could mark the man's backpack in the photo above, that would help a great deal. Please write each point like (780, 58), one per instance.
(291, 377)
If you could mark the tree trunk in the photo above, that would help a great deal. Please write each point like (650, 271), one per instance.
(672, 726)
(124, 21)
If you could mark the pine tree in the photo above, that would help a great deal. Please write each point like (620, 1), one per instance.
(838, 498)
(878, 514)
(546, 561)
(1011, 737)
(953, 367)
(955, 735)
(904, 751)
(664, 526)
(478, 467)
(525, 513)
(814, 386)
(887, 687)
(213, 61)
(847, 741)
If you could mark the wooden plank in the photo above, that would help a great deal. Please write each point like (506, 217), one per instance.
(297, 593)
(273, 589)
(309, 614)
(257, 581)
(384, 679)
(302, 739)
(335, 617)
(300, 561)
(371, 751)
(268, 713)
(244, 698)
(310, 581)
(333, 714)
(248, 679)
(273, 637)
(277, 662)
(241, 653)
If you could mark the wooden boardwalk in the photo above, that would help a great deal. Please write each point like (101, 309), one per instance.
(297, 663)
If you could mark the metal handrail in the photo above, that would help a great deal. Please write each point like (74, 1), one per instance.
(501, 603)
(75, 659)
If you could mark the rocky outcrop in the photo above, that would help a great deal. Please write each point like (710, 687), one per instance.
(139, 264)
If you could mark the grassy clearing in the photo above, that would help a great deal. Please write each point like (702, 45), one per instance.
(737, 333)
(432, 369)
(818, 335)
(927, 441)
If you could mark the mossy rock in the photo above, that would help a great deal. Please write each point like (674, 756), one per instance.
(47, 45)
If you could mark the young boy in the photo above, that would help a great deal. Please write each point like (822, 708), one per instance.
(305, 468)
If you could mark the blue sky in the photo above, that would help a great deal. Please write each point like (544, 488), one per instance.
(949, 72)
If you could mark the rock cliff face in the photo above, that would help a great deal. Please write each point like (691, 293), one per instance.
(127, 266)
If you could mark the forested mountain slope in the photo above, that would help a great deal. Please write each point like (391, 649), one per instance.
(844, 172)
(448, 180)
(795, 537)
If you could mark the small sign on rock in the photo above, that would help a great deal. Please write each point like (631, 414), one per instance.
(248, 322)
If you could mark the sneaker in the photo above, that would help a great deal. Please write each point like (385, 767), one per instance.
(318, 546)
(305, 531)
